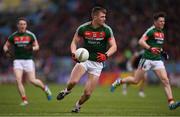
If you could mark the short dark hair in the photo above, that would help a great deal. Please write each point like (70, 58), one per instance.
(97, 9)
(22, 18)
(159, 14)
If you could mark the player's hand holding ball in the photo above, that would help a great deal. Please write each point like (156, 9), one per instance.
(81, 55)
(74, 58)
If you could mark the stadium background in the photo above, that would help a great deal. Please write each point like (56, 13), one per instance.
(55, 21)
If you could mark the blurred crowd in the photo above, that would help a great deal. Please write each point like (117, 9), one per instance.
(55, 21)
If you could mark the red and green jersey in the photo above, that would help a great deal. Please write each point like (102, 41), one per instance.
(95, 39)
(20, 41)
(155, 38)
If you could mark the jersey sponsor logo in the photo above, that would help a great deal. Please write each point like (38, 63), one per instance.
(159, 36)
(94, 35)
(22, 39)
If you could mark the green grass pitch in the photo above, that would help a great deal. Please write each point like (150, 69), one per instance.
(102, 102)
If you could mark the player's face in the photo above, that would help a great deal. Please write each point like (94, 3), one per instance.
(22, 25)
(160, 22)
(100, 18)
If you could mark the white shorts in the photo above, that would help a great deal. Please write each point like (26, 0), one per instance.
(23, 64)
(93, 67)
(146, 64)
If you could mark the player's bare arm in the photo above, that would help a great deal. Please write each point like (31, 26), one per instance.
(113, 47)
(6, 46)
(74, 42)
(6, 49)
(35, 46)
(73, 46)
(142, 42)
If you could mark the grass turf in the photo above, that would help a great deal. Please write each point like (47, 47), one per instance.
(102, 102)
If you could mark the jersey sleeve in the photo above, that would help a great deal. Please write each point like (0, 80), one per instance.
(79, 31)
(110, 34)
(10, 39)
(34, 37)
(148, 34)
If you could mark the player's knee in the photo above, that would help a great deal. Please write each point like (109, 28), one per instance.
(19, 81)
(136, 81)
(33, 81)
(165, 81)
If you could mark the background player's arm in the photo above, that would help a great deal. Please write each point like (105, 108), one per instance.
(35, 45)
(7, 49)
(74, 42)
(6, 46)
(142, 42)
(113, 47)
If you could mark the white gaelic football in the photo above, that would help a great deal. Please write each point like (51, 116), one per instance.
(82, 54)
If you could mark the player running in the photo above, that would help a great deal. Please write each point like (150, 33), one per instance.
(24, 43)
(96, 35)
(132, 65)
(152, 40)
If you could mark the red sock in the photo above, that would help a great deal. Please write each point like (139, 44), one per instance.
(169, 100)
(24, 98)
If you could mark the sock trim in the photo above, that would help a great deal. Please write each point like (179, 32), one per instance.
(169, 100)
(24, 98)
